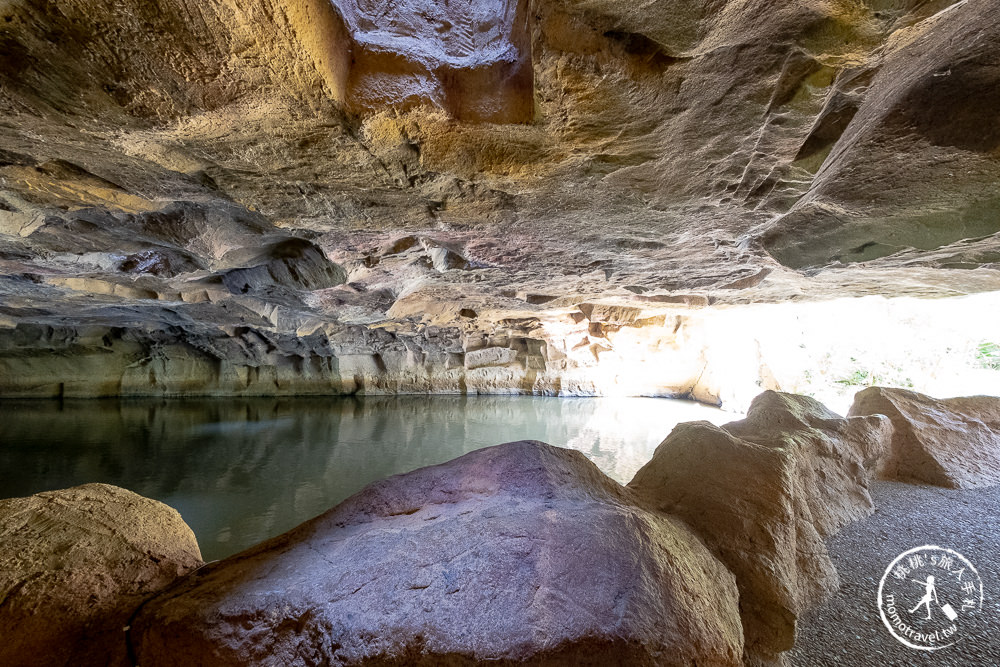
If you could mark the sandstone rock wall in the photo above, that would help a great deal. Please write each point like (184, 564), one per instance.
(468, 166)
(732, 105)
(217, 342)
(166, 59)
(925, 106)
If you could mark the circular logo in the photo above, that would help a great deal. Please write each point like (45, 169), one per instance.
(926, 593)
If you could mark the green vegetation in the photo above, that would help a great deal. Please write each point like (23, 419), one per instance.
(858, 378)
(988, 355)
(889, 376)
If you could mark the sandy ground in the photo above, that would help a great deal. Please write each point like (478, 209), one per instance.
(848, 630)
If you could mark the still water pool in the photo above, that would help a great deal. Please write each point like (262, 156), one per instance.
(241, 471)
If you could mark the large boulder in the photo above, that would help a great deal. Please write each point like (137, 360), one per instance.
(834, 457)
(953, 442)
(520, 553)
(741, 498)
(74, 566)
(762, 493)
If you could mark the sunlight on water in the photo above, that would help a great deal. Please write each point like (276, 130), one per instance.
(240, 471)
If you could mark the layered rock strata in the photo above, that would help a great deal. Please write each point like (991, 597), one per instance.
(446, 342)
(392, 159)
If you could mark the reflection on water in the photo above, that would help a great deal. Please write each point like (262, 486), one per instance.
(240, 471)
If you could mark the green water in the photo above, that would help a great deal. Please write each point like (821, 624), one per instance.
(241, 471)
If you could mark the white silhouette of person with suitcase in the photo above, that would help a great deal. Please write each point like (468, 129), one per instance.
(930, 593)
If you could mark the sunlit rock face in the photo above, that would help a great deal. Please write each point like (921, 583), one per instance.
(952, 442)
(470, 57)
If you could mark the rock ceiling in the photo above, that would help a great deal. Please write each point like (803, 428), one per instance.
(176, 171)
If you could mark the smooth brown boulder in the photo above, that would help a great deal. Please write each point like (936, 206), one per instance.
(953, 442)
(762, 493)
(520, 553)
(74, 566)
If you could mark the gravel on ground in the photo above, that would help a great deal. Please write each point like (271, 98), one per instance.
(848, 629)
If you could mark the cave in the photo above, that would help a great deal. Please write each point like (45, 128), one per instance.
(398, 332)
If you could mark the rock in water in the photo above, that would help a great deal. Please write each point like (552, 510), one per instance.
(520, 553)
(74, 566)
(953, 442)
(761, 493)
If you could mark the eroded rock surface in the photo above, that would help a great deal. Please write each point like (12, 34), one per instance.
(470, 57)
(952, 442)
(538, 161)
(516, 553)
(762, 493)
(915, 168)
(74, 566)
